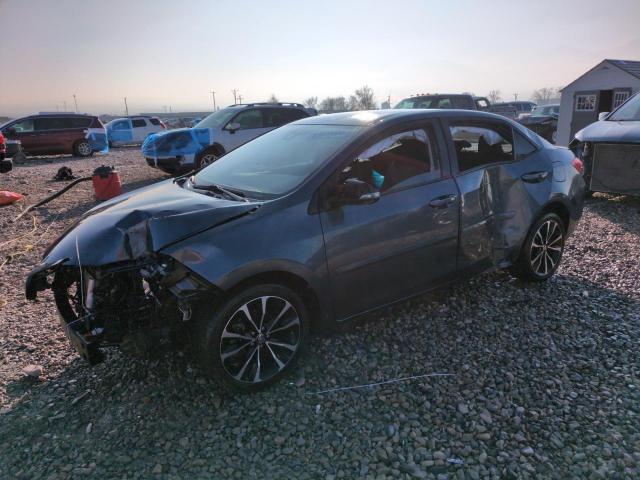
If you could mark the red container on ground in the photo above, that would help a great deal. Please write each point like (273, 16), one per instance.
(106, 183)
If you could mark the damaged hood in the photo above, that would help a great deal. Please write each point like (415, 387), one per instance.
(610, 131)
(139, 223)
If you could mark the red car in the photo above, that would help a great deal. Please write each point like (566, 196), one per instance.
(56, 133)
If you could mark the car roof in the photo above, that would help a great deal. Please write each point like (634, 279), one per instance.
(268, 104)
(373, 117)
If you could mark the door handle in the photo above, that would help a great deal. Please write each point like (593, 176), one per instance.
(443, 201)
(534, 177)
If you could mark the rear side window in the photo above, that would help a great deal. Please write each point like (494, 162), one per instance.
(481, 143)
(404, 159)
(51, 123)
(154, 121)
(138, 122)
(275, 117)
(466, 103)
(249, 119)
(522, 146)
(78, 122)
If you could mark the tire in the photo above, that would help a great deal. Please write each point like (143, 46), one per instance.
(542, 250)
(82, 148)
(247, 351)
(208, 156)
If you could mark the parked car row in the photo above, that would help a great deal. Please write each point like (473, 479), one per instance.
(180, 150)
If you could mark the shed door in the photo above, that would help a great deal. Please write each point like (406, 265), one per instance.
(585, 110)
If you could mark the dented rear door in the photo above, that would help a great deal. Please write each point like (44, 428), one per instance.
(502, 187)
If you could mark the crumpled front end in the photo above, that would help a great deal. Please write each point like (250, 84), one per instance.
(134, 304)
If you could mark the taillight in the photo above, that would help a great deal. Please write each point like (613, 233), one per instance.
(578, 165)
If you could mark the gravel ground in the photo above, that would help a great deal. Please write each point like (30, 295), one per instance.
(544, 378)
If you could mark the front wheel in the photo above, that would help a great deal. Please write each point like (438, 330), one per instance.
(82, 148)
(542, 250)
(207, 157)
(253, 338)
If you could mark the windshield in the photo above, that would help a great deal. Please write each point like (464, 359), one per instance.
(278, 161)
(217, 119)
(629, 111)
(544, 111)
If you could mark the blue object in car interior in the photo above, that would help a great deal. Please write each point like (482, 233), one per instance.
(378, 178)
(176, 143)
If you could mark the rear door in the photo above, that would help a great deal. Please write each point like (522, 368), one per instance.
(140, 129)
(51, 134)
(406, 241)
(504, 179)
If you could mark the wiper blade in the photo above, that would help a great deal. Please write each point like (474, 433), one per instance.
(212, 187)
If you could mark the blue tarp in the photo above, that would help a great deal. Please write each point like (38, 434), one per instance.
(176, 142)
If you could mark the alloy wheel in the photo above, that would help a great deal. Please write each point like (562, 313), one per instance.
(546, 248)
(84, 149)
(260, 339)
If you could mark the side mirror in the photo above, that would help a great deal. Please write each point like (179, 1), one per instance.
(353, 191)
(602, 115)
(233, 127)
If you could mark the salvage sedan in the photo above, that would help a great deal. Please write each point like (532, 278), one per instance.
(610, 150)
(310, 226)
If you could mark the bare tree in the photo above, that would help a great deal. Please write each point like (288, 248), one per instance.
(273, 98)
(543, 95)
(494, 96)
(333, 104)
(311, 102)
(363, 99)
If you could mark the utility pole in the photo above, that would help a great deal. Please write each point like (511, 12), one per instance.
(169, 108)
(164, 108)
(75, 101)
(64, 103)
(235, 95)
(239, 98)
(126, 107)
(515, 97)
(213, 94)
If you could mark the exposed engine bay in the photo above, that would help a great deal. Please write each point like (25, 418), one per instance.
(134, 304)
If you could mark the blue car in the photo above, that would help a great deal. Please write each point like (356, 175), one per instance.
(184, 149)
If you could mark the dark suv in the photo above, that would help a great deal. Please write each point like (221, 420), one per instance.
(56, 133)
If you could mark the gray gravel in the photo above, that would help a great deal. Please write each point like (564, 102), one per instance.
(545, 380)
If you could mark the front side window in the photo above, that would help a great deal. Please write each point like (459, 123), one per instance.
(217, 119)
(277, 162)
(585, 103)
(249, 119)
(121, 125)
(479, 144)
(23, 126)
(138, 122)
(630, 111)
(400, 160)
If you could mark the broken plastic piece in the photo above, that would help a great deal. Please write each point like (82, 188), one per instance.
(7, 197)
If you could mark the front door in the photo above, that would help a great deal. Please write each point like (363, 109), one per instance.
(406, 241)
(584, 110)
(252, 125)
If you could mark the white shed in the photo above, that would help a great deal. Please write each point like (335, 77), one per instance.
(601, 89)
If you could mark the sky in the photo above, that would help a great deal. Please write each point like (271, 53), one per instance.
(165, 53)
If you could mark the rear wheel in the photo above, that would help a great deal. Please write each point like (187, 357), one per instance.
(253, 338)
(208, 156)
(82, 148)
(542, 250)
